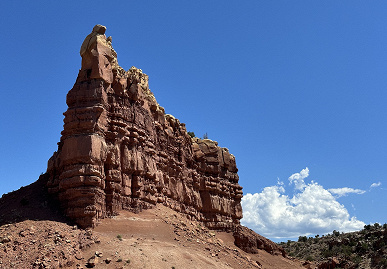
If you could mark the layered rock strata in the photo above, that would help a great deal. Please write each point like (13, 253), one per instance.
(119, 150)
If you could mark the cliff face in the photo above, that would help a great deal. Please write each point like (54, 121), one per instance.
(119, 150)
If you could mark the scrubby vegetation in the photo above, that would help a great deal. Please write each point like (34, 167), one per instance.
(119, 237)
(191, 134)
(363, 249)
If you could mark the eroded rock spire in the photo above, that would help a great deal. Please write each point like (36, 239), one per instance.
(119, 150)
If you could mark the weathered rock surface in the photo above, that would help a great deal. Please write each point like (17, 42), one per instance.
(250, 242)
(119, 150)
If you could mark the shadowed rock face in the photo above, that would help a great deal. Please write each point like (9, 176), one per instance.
(119, 150)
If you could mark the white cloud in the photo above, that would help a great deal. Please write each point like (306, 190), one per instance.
(312, 210)
(374, 185)
(339, 192)
(298, 179)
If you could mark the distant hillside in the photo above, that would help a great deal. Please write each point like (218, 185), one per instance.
(362, 249)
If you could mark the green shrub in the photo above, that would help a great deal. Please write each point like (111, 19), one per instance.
(383, 263)
(327, 253)
(191, 134)
(364, 248)
(309, 258)
(356, 259)
(302, 239)
(346, 250)
(336, 233)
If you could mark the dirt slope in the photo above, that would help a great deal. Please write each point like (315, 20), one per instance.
(33, 234)
(162, 238)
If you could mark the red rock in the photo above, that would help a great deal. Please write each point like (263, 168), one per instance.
(119, 150)
(250, 242)
(92, 262)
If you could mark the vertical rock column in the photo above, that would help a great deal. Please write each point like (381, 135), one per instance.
(76, 171)
(219, 189)
(83, 153)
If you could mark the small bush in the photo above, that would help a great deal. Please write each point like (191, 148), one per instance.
(302, 239)
(346, 250)
(327, 253)
(309, 258)
(356, 259)
(336, 233)
(191, 134)
(383, 263)
(119, 237)
(364, 248)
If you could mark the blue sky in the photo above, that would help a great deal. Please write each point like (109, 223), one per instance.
(294, 89)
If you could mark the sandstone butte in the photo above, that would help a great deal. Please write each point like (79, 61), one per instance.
(120, 151)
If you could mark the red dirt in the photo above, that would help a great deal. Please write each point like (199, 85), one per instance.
(35, 235)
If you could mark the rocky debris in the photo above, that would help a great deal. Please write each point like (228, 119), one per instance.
(119, 150)
(162, 238)
(5, 239)
(91, 262)
(156, 238)
(334, 262)
(250, 242)
(43, 244)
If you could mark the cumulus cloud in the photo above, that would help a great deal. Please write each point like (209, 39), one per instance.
(339, 192)
(311, 210)
(374, 185)
(298, 179)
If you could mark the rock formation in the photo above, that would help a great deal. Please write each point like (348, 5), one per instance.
(250, 241)
(119, 150)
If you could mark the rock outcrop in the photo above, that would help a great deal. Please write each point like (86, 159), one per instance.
(119, 150)
(250, 242)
